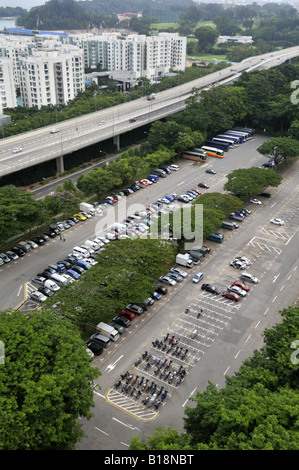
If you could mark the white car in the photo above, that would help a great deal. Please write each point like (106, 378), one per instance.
(255, 201)
(101, 123)
(237, 290)
(17, 150)
(38, 296)
(51, 285)
(167, 280)
(179, 271)
(54, 131)
(277, 221)
(238, 264)
(149, 182)
(249, 278)
(32, 244)
(173, 167)
(243, 259)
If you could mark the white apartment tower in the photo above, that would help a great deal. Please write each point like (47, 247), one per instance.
(51, 77)
(8, 97)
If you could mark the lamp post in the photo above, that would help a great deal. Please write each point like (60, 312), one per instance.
(233, 182)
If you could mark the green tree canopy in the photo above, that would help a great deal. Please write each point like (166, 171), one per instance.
(46, 382)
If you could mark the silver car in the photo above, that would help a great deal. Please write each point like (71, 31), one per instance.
(37, 296)
(237, 290)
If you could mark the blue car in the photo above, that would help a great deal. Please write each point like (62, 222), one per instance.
(156, 296)
(73, 274)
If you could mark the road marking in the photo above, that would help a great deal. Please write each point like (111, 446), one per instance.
(226, 370)
(19, 291)
(128, 425)
(189, 397)
(257, 324)
(266, 311)
(237, 354)
(275, 277)
(274, 299)
(101, 431)
(111, 366)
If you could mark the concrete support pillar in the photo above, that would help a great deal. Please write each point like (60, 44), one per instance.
(60, 164)
(116, 141)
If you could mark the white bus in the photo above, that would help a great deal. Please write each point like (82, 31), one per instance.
(229, 139)
(229, 142)
(245, 135)
(213, 152)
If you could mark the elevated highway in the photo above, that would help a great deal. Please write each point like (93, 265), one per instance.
(41, 145)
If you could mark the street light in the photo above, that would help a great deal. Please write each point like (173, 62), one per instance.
(232, 182)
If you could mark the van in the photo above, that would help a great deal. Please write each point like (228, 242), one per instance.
(159, 173)
(153, 177)
(88, 249)
(229, 225)
(99, 338)
(92, 244)
(108, 331)
(59, 279)
(173, 167)
(216, 237)
(78, 250)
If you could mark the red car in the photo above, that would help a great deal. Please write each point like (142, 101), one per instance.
(144, 183)
(241, 285)
(231, 295)
(196, 190)
(127, 314)
(203, 185)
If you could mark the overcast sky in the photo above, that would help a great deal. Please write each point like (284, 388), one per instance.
(27, 4)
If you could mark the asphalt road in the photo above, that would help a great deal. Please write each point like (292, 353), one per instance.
(227, 332)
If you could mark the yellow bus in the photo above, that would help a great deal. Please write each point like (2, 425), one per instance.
(213, 152)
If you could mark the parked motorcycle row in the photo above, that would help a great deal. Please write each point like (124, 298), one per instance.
(163, 369)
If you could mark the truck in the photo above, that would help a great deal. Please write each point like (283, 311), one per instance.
(184, 260)
(152, 96)
(84, 206)
(107, 330)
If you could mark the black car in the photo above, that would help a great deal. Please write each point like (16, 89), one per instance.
(95, 347)
(70, 259)
(147, 303)
(161, 290)
(76, 221)
(122, 321)
(78, 269)
(39, 240)
(121, 329)
(18, 251)
(212, 172)
(50, 233)
(44, 290)
(65, 263)
(45, 274)
(210, 288)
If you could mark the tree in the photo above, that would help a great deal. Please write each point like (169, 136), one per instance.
(280, 148)
(206, 37)
(46, 383)
(249, 181)
(19, 212)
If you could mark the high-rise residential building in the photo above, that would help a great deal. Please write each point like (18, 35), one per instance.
(51, 77)
(8, 97)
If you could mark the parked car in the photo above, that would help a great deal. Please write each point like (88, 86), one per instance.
(231, 296)
(18, 251)
(167, 280)
(133, 308)
(37, 296)
(210, 288)
(212, 172)
(39, 280)
(179, 271)
(237, 290)
(203, 185)
(161, 290)
(17, 150)
(277, 221)
(121, 320)
(244, 260)
(51, 285)
(32, 244)
(174, 167)
(156, 296)
(238, 264)
(80, 217)
(45, 291)
(255, 201)
(132, 120)
(5, 258)
(242, 285)
(39, 240)
(13, 256)
(121, 329)
(197, 277)
(175, 276)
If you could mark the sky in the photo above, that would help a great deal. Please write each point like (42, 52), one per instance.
(27, 4)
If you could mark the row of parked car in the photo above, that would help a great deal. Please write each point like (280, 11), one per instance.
(23, 247)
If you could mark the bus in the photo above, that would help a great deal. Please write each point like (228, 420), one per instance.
(218, 139)
(200, 152)
(230, 135)
(195, 156)
(247, 130)
(222, 146)
(213, 152)
(246, 135)
(229, 139)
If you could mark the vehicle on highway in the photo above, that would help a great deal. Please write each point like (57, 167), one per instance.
(132, 120)
(241, 285)
(5, 258)
(255, 201)
(277, 221)
(37, 296)
(54, 131)
(167, 280)
(210, 171)
(203, 185)
(122, 321)
(174, 167)
(247, 277)
(231, 296)
(179, 271)
(45, 291)
(210, 288)
(13, 256)
(237, 290)
(101, 123)
(197, 277)
(17, 150)
(238, 264)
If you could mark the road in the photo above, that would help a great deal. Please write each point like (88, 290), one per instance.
(40, 145)
(227, 333)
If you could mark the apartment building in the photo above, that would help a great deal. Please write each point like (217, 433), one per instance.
(8, 97)
(51, 76)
